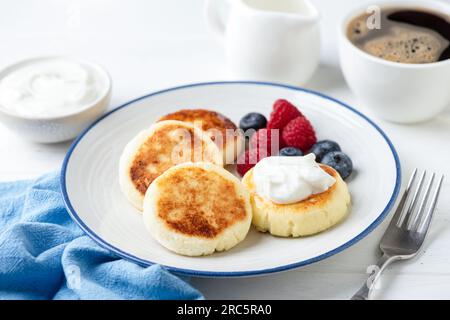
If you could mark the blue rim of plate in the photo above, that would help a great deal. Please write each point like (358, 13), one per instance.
(198, 273)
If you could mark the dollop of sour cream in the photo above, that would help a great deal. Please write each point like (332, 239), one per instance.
(285, 180)
(50, 87)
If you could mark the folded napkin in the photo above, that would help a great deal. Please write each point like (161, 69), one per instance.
(44, 255)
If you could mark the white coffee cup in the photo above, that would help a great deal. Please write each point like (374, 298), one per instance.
(398, 92)
(267, 40)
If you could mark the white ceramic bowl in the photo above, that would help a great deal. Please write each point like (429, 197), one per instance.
(57, 128)
(398, 92)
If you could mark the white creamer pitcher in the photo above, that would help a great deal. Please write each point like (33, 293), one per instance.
(268, 40)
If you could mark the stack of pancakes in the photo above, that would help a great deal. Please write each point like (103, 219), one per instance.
(173, 172)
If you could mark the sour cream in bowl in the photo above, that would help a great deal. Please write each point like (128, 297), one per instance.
(51, 99)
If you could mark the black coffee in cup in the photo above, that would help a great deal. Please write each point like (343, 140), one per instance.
(403, 35)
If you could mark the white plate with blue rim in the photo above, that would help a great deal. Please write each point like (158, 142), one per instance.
(90, 187)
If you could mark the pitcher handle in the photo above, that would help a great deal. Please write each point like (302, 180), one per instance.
(214, 19)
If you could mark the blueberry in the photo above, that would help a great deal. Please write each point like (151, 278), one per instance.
(290, 152)
(321, 148)
(340, 162)
(253, 120)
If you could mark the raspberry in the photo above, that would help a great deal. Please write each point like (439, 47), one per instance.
(266, 141)
(299, 133)
(283, 112)
(248, 160)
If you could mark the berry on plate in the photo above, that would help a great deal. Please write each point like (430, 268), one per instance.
(321, 148)
(266, 141)
(299, 133)
(283, 112)
(253, 120)
(248, 160)
(340, 162)
(290, 152)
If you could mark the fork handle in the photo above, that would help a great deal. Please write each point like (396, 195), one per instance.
(366, 289)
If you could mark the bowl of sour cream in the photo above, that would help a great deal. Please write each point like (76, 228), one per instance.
(51, 99)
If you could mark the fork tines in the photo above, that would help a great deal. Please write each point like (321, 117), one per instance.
(410, 214)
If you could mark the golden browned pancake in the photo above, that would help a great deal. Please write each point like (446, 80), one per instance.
(312, 215)
(219, 128)
(204, 205)
(197, 208)
(155, 150)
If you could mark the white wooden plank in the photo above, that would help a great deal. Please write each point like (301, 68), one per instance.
(141, 59)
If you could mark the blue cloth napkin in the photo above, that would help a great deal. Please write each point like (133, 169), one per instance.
(44, 255)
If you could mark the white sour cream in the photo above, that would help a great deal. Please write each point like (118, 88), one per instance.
(285, 180)
(50, 87)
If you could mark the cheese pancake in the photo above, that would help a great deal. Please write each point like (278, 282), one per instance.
(153, 151)
(195, 209)
(312, 215)
(221, 130)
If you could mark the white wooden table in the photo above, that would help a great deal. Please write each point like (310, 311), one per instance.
(149, 45)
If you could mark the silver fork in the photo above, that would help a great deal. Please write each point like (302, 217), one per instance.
(407, 229)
